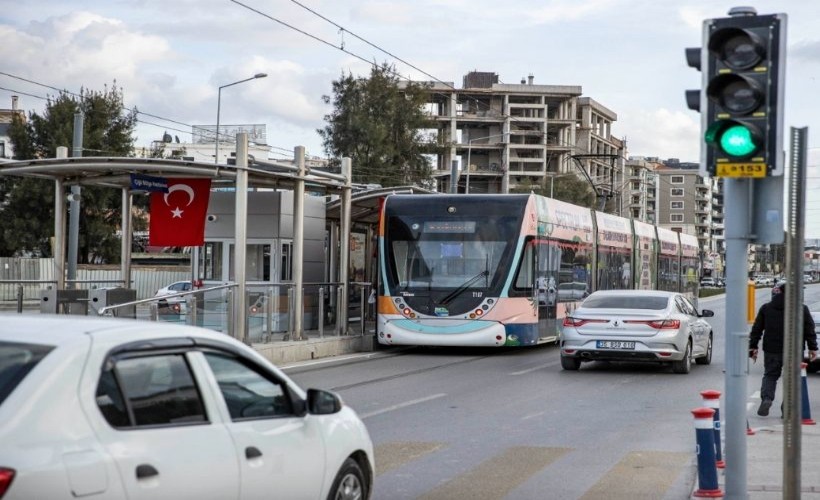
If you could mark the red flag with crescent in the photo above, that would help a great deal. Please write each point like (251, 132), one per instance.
(178, 216)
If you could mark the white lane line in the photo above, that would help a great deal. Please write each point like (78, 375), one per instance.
(401, 405)
(533, 415)
(539, 367)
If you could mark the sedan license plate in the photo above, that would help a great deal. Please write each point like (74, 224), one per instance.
(615, 344)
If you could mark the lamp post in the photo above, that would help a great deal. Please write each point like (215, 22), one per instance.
(219, 104)
(470, 150)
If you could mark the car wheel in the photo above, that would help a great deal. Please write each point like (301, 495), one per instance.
(568, 363)
(349, 483)
(707, 359)
(685, 364)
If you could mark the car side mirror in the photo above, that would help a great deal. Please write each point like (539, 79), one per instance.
(321, 402)
(707, 313)
(300, 407)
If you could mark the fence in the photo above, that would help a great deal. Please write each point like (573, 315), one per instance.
(37, 274)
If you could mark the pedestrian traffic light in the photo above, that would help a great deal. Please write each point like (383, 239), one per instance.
(741, 98)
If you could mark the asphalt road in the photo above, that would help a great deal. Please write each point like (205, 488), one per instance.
(491, 424)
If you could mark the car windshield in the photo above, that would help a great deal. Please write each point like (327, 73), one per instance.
(626, 302)
(16, 361)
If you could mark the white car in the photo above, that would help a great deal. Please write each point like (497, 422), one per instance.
(637, 325)
(177, 304)
(115, 408)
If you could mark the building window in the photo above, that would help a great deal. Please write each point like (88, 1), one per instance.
(677, 179)
(675, 218)
(676, 205)
(676, 192)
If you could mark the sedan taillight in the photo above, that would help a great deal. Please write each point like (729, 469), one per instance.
(658, 324)
(6, 476)
(576, 322)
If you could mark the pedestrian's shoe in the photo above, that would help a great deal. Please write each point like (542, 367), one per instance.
(764, 407)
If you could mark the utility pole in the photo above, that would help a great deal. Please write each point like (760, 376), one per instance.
(741, 101)
(74, 204)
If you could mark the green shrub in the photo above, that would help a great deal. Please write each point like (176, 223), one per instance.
(708, 292)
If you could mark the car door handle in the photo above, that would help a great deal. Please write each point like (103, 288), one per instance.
(252, 452)
(145, 471)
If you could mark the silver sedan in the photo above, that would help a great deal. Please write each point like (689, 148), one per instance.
(635, 326)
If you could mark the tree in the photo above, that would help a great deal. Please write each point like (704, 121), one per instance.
(378, 125)
(27, 213)
(568, 188)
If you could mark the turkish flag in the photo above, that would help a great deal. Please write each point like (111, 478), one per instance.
(178, 216)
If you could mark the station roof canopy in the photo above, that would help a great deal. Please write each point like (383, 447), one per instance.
(364, 205)
(115, 172)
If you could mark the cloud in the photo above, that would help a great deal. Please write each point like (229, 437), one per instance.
(81, 49)
(649, 132)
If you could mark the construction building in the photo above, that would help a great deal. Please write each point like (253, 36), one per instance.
(505, 135)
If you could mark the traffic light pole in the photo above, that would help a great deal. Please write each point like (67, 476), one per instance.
(738, 235)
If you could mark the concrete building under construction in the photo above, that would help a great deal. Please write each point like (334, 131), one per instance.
(505, 135)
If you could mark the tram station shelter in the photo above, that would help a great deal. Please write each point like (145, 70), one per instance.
(294, 234)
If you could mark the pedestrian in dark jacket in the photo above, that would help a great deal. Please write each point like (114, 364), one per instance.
(769, 324)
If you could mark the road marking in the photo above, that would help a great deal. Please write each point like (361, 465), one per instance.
(497, 476)
(640, 474)
(401, 405)
(539, 367)
(392, 455)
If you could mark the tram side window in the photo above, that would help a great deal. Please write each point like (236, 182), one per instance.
(668, 273)
(614, 269)
(574, 280)
(525, 278)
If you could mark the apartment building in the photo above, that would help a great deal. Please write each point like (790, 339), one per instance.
(640, 189)
(503, 135)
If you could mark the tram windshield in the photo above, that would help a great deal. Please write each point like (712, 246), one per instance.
(449, 254)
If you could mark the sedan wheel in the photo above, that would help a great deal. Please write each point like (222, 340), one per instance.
(705, 360)
(349, 483)
(568, 363)
(685, 364)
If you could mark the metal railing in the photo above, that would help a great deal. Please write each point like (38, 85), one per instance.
(270, 308)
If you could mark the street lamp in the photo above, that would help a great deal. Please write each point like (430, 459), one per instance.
(469, 150)
(219, 103)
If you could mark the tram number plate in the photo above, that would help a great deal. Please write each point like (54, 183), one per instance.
(615, 344)
(741, 170)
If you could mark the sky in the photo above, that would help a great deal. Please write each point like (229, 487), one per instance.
(170, 58)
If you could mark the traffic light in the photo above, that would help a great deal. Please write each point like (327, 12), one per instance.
(743, 61)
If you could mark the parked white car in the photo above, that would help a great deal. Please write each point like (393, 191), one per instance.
(175, 303)
(636, 326)
(114, 408)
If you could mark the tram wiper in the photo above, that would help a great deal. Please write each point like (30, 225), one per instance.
(455, 293)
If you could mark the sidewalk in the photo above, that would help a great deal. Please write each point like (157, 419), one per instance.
(765, 459)
(764, 455)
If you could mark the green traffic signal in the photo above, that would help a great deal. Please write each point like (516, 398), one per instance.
(738, 141)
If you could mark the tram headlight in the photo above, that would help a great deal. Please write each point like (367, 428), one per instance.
(479, 312)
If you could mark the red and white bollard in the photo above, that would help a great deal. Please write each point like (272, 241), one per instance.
(707, 470)
(711, 399)
(806, 407)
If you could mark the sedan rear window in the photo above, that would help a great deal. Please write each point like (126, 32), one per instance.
(16, 361)
(626, 302)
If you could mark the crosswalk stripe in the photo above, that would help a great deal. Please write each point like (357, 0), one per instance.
(496, 477)
(391, 455)
(640, 474)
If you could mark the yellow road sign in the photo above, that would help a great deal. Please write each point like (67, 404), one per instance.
(741, 170)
